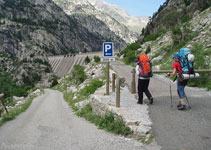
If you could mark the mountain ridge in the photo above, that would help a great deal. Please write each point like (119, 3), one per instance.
(72, 7)
(134, 23)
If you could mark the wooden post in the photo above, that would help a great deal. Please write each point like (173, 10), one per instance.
(118, 93)
(133, 83)
(1, 95)
(107, 78)
(113, 82)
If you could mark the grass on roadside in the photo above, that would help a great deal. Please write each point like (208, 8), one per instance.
(145, 140)
(109, 122)
(16, 111)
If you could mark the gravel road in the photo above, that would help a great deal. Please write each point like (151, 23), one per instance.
(49, 124)
(174, 129)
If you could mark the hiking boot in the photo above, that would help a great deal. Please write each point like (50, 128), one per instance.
(179, 105)
(182, 107)
(151, 100)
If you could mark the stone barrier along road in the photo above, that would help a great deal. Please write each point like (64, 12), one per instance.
(49, 124)
(63, 64)
(174, 129)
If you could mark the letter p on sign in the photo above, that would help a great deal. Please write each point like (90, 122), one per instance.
(108, 49)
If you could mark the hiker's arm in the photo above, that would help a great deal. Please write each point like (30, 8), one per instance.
(173, 73)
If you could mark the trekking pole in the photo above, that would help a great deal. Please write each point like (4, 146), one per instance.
(170, 92)
(187, 101)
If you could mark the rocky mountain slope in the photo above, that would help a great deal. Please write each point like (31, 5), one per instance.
(32, 29)
(174, 12)
(192, 33)
(133, 23)
(177, 24)
(87, 10)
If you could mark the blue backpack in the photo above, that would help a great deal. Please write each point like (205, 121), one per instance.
(186, 61)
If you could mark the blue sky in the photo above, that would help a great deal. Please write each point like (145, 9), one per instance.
(138, 7)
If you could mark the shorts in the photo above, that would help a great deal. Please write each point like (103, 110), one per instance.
(181, 88)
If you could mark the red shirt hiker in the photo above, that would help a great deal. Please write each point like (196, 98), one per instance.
(177, 66)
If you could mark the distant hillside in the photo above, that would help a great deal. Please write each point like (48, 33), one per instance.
(172, 13)
(83, 9)
(32, 29)
(133, 23)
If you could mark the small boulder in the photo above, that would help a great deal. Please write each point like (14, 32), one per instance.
(17, 99)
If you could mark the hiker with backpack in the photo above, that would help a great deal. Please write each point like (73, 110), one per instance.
(144, 72)
(183, 66)
(180, 83)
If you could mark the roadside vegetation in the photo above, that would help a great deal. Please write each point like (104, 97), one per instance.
(9, 88)
(130, 53)
(96, 59)
(16, 110)
(109, 122)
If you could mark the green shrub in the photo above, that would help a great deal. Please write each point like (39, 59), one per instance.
(9, 87)
(87, 60)
(109, 122)
(47, 70)
(171, 18)
(96, 59)
(130, 53)
(176, 30)
(152, 37)
(206, 5)
(133, 46)
(91, 88)
(187, 2)
(55, 82)
(78, 74)
(130, 57)
(185, 18)
(176, 35)
(148, 50)
(20, 92)
(72, 51)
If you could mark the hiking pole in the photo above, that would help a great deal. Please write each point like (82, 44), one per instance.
(170, 92)
(187, 101)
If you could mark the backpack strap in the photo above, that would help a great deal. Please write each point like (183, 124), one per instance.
(142, 68)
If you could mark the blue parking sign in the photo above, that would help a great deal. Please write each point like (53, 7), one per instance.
(108, 49)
